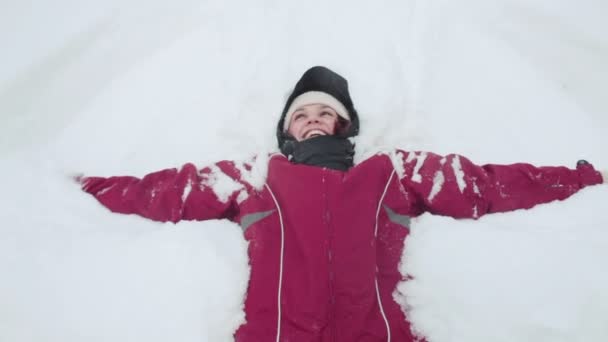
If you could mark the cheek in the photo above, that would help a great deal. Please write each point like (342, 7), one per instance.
(332, 123)
(293, 128)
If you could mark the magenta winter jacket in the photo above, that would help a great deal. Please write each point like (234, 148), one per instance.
(324, 245)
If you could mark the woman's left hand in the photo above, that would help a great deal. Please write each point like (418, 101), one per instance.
(604, 173)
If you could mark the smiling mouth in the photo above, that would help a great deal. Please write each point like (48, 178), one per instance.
(314, 133)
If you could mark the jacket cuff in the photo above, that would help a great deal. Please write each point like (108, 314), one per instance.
(589, 175)
(90, 184)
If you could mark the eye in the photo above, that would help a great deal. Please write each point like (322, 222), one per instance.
(326, 113)
(298, 116)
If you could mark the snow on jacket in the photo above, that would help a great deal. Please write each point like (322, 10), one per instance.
(324, 245)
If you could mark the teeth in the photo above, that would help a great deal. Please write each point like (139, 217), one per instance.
(314, 132)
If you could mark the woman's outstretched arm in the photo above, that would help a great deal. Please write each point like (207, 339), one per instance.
(454, 186)
(172, 194)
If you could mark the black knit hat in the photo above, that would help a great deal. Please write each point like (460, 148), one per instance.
(320, 83)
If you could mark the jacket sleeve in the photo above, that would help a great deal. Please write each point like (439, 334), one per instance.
(454, 186)
(172, 194)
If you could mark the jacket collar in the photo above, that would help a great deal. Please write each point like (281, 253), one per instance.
(328, 151)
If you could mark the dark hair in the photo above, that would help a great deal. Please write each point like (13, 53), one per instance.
(342, 126)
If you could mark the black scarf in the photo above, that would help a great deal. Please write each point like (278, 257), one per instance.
(324, 151)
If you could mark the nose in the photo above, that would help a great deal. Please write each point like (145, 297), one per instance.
(313, 119)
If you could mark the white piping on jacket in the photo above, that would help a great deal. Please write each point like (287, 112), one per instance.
(276, 203)
(388, 328)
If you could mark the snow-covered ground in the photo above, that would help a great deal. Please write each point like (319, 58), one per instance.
(129, 87)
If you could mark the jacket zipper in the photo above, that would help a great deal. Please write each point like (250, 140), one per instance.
(279, 292)
(388, 328)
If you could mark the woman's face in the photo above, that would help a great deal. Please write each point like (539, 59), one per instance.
(312, 120)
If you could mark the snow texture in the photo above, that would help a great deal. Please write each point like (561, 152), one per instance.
(222, 185)
(131, 87)
(398, 162)
(458, 173)
(255, 171)
(419, 161)
(187, 190)
(438, 181)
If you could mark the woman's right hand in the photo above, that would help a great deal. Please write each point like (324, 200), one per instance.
(78, 177)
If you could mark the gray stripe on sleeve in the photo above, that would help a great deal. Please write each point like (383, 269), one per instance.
(250, 219)
(402, 220)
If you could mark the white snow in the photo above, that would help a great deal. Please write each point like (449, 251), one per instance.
(220, 183)
(398, 163)
(419, 159)
(104, 190)
(130, 87)
(438, 181)
(531, 275)
(475, 187)
(187, 190)
(458, 173)
(255, 170)
(243, 195)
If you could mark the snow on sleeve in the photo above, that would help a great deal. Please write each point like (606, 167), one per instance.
(419, 160)
(255, 171)
(106, 189)
(397, 161)
(222, 185)
(458, 173)
(187, 190)
(410, 157)
(243, 195)
(443, 185)
(438, 181)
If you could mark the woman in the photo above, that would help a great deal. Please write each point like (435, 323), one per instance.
(326, 236)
